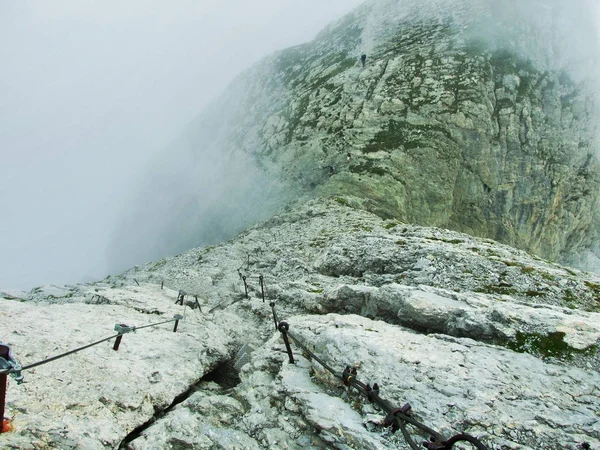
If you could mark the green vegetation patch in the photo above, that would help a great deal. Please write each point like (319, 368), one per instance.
(363, 228)
(532, 293)
(548, 345)
(512, 263)
(408, 135)
(342, 201)
(449, 241)
(367, 167)
(501, 288)
(595, 288)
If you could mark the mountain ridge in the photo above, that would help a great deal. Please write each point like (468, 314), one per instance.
(444, 126)
(346, 165)
(479, 337)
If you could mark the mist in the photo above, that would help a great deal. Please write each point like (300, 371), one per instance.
(92, 93)
(98, 96)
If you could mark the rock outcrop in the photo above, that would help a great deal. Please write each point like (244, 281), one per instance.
(479, 337)
(473, 116)
(444, 125)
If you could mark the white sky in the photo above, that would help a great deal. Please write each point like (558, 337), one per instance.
(90, 90)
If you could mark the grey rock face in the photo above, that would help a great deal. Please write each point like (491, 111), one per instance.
(474, 116)
(491, 136)
(444, 129)
(479, 338)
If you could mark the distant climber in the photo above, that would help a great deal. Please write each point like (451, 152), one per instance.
(349, 157)
(331, 170)
(363, 59)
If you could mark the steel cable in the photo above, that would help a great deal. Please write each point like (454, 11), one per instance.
(399, 417)
(70, 352)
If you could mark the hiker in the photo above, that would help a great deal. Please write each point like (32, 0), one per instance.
(363, 59)
(348, 158)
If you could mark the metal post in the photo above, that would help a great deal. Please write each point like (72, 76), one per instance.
(177, 318)
(162, 283)
(117, 342)
(262, 287)
(272, 305)
(283, 328)
(197, 303)
(121, 328)
(245, 285)
(136, 281)
(2, 396)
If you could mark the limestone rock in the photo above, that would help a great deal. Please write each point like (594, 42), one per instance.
(476, 116)
(478, 337)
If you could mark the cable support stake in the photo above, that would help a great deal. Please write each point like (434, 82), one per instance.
(262, 287)
(245, 285)
(272, 305)
(283, 328)
(177, 318)
(121, 328)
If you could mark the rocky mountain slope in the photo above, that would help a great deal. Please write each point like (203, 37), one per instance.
(475, 116)
(445, 125)
(478, 337)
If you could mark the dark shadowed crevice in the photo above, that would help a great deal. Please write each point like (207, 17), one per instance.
(224, 374)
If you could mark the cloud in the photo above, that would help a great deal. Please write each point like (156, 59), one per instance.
(93, 90)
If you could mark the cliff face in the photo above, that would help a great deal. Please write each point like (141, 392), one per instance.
(445, 127)
(473, 116)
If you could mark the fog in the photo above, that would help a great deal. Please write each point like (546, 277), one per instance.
(92, 91)
(98, 95)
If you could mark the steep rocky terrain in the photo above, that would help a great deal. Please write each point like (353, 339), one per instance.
(475, 116)
(444, 128)
(478, 337)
